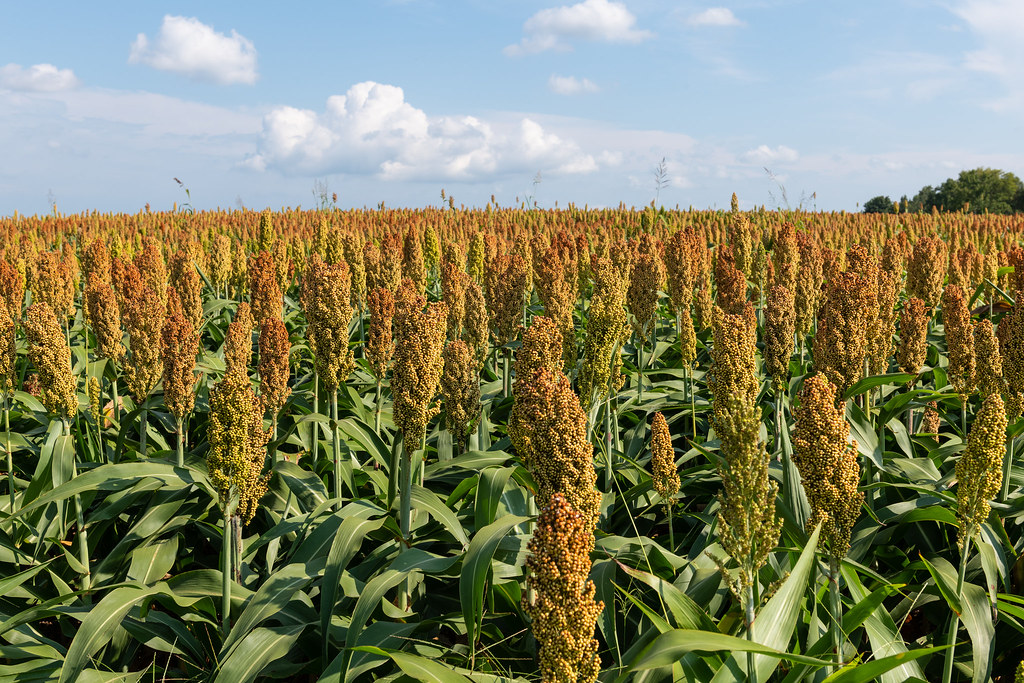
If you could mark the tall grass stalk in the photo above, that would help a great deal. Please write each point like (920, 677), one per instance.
(405, 516)
(336, 449)
(835, 611)
(225, 586)
(83, 538)
(1007, 464)
(954, 619)
(7, 450)
(180, 428)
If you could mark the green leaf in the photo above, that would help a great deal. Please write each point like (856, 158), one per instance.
(975, 611)
(346, 543)
(870, 671)
(488, 494)
(422, 499)
(685, 612)
(420, 668)
(892, 379)
(99, 626)
(271, 598)
(475, 567)
(369, 598)
(259, 648)
(777, 621)
(668, 648)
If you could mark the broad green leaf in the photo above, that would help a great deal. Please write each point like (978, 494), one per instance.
(864, 672)
(259, 648)
(488, 494)
(271, 598)
(893, 379)
(475, 567)
(350, 536)
(669, 647)
(685, 612)
(975, 611)
(420, 668)
(425, 500)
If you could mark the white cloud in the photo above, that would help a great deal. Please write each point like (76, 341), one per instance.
(764, 154)
(372, 130)
(595, 20)
(570, 85)
(36, 78)
(714, 16)
(998, 24)
(187, 46)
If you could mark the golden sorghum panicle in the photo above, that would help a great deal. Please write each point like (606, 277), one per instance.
(475, 326)
(239, 277)
(327, 297)
(188, 286)
(53, 284)
(564, 614)
(730, 280)
(680, 270)
(1011, 351)
(266, 231)
(143, 319)
(460, 386)
(506, 286)
(740, 240)
(237, 444)
(49, 352)
(220, 262)
(419, 341)
(989, 370)
(840, 345)
(283, 264)
(959, 340)
(454, 282)
(179, 345)
(779, 327)
(12, 289)
(548, 429)
(607, 327)
(8, 354)
(412, 260)
(95, 393)
(913, 346)
(96, 262)
(475, 258)
(979, 471)
(555, 278)
(431, 248)
(150, 263)
(733, 363)
(542, 348)
(664, 475)
(353, 250)
(379, 343)
(808, 282)
(105, 318)
(926, 269)
(827, 461)
(748, 527)
(238, 344)
(786, 256)
(273, 364)
(882, 327)
(644, 282)
(264, 292)
(930, 421)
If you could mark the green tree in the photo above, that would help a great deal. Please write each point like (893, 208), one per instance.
(982, 189)
(879, 204)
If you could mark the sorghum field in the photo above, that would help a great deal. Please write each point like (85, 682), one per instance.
(511, 445)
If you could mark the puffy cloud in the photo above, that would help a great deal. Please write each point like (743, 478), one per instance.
(372, 130)
(714, 16)
(36, 78)
(595, 20)
(187, 46)
(570, 85)
(764, 154)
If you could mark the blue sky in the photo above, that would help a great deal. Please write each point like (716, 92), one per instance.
(258, 104)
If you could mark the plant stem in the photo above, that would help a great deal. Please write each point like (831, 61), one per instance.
(225, 586)
(376, 411)
(143, 429)
(836, 611)
(749, 618)
(1007, 464)
(7, 450)
(693, 402)
(181, 441)
(83, 538)
(671, 532)
(640, 371)
(608, 442)
(336, 448)
(505, 384)
(954, 620)
(405, 516)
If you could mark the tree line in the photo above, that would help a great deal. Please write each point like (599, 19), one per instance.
(980, 190)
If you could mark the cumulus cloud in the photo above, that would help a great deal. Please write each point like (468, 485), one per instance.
(187, 46)
(764, 154)
(594, 20)
(714, 16)
(372, 130)
(570, 85)
(36, 78)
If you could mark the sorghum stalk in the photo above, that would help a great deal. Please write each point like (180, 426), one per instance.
(7, 383)
(273, 369)
(664, 476)
(979, 475)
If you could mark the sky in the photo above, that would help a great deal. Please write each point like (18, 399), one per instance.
(819, 105)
